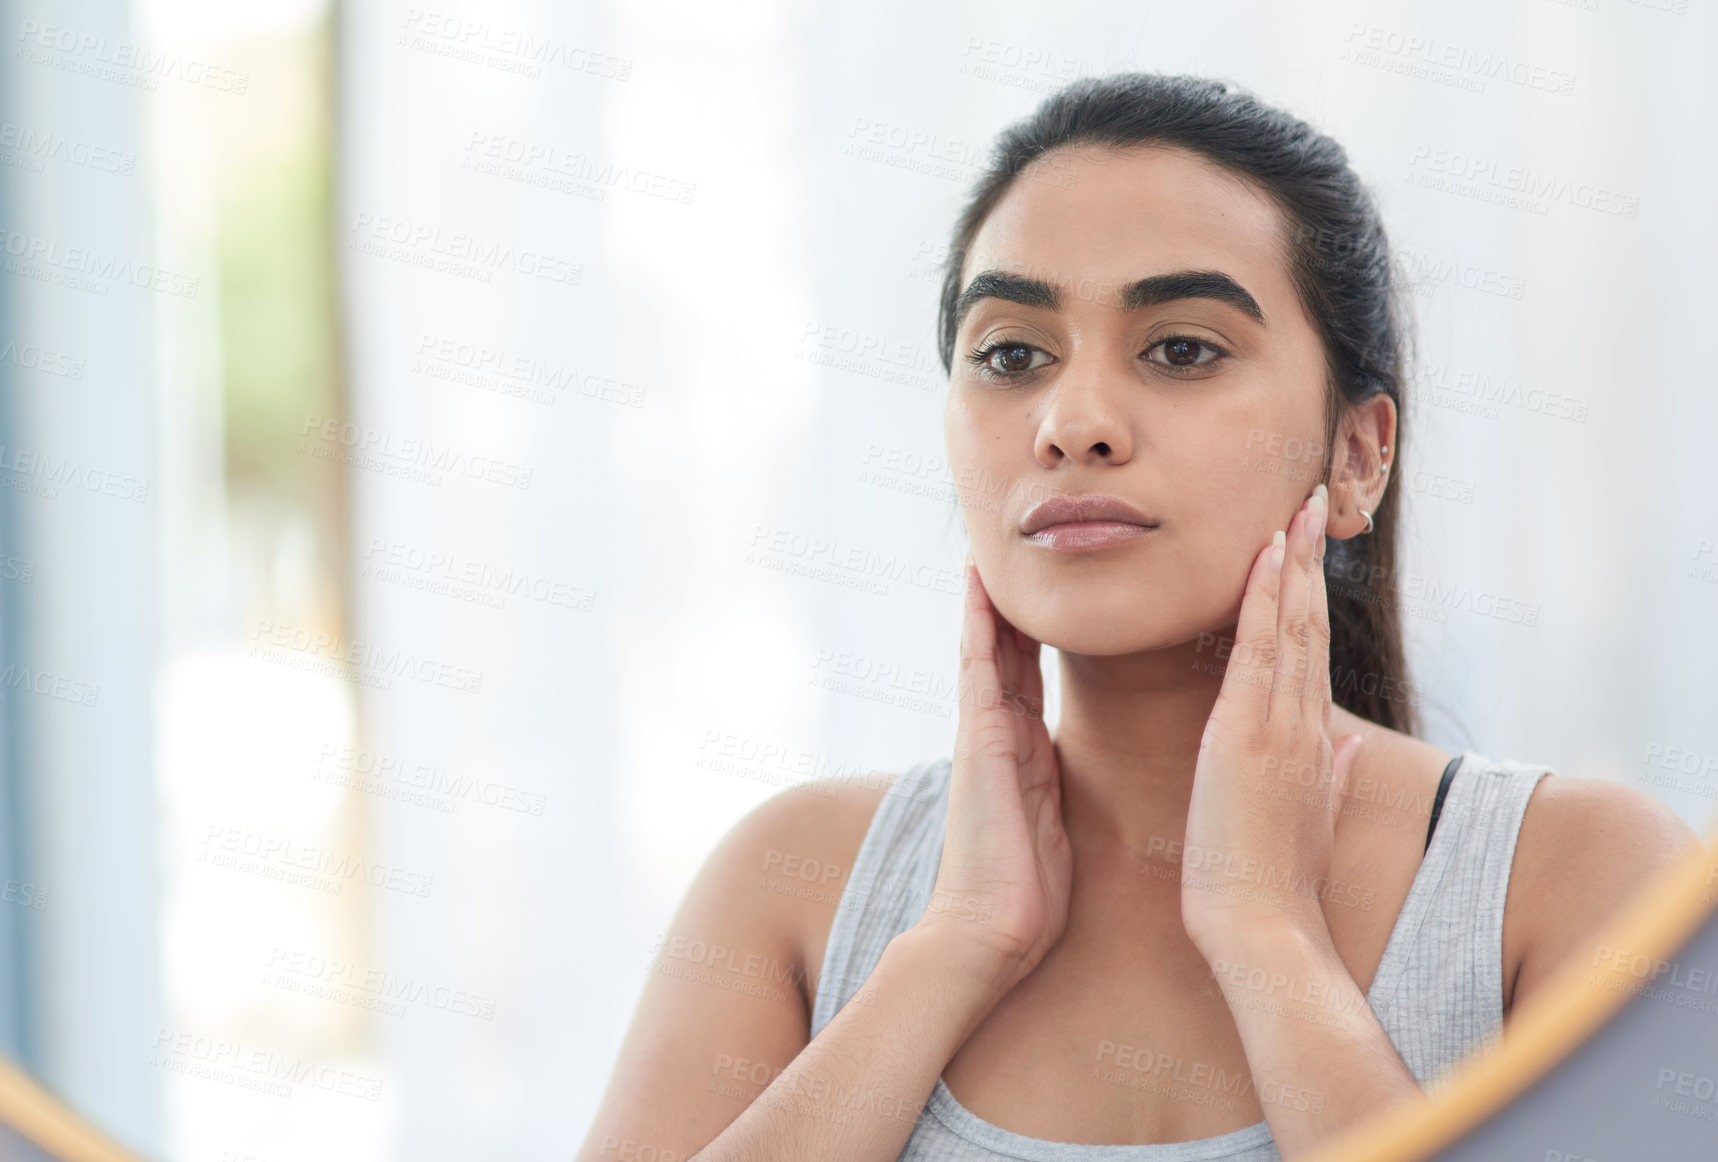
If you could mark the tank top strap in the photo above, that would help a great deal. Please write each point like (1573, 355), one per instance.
(1438, 990)
(889, 886)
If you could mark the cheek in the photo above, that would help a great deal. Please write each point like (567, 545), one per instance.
(1228, 497)
(990, 464)
(1254, 467)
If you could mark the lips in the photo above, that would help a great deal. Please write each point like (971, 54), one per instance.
(1094, 506)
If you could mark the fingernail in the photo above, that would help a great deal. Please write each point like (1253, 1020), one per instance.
(1320, 513)
(968, 557)
(1278, 539)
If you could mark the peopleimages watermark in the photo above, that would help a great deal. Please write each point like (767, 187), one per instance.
(324, 652)
(42, 474)
(886, 682)
(264, 1070)
(1691, 1094)
(909, 473)
(851, 566)
(633, 1150)
(783, 764)
(331, 978)
(1197, 1082)
(551, 168)
(120, 61)
(731, 969)
(464, 579)
(84, 268)
(1034, 69)
(1476, 393)
(1423, 270)
(911, 364)
(929, 263)
(1689, 771)
(348, 766)
(303, 864)
(506, 50)
(1515, 186)
(454, 252)
(410, 457)
(31, 149)
(24, 895)
(35, 357)
(47, 684)
(1228, 872)
(934, 154)
(1343, 680)
(1431, 58)
(1674, 983)
(494, 368)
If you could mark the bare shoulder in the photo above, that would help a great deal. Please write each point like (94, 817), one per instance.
(832, 810)
(1585, 849)
(727, 999)
(785, 863)
(802, 845)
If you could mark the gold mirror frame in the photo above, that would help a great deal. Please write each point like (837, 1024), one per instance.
(1547, 1030)
(46, 1122)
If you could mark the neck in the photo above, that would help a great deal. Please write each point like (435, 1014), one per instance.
(1128, 740)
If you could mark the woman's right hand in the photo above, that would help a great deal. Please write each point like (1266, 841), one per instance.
(1002, 887)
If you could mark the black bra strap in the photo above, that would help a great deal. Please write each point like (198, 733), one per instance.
(1438, 802)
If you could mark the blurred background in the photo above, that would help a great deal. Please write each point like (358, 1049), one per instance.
(437, 444)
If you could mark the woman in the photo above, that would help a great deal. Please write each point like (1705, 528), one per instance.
(1208, 920)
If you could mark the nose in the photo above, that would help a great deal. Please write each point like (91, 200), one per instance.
(1084, 420)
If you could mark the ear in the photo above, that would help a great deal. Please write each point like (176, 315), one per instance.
(1359, 469)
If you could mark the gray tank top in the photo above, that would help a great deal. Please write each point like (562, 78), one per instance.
(1438, 990)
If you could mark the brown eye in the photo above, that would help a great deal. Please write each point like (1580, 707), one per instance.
(1004, 360)
(1180, 352)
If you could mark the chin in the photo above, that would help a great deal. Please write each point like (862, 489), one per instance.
(1093, 641)
(1101, 619)
(1107, 613)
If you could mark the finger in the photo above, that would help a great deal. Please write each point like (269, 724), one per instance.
(1318, 616)
(1288, 684)
(1247, 677)
(977, 679)
(1008, 651)
(1033, 685)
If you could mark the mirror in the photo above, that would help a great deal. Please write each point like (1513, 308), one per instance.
(458, 462)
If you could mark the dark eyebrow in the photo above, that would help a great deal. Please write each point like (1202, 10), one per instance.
(1147, 292)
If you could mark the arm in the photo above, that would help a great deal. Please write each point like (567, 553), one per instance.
(856, 1091)
(716, 1063)
(1585, 850)
(1320, 1059)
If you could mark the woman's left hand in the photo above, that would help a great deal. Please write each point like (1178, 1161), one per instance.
(1268, 782)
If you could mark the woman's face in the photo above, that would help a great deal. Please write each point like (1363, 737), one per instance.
(1174, 398)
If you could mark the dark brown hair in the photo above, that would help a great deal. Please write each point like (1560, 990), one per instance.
(1341, 267)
